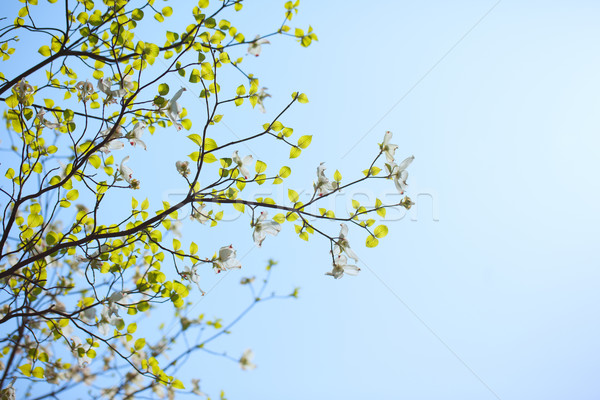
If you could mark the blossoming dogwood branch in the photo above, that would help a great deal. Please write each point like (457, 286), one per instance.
(78, 278)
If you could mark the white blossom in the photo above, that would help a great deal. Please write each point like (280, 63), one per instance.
(127, 174)
(399, 173)
(341, 267)
(111, 133)
(173, 109)
(191, 274)
(255, 47)
(43, 121)
(199, 215)
(388, 148)
(183, 167)
(343, 245)
(241, 163)
(135, 136)
(23, 90)
(79, 350)
(8, 393)
(246, 360)
(262, 228)
(262, 95)
(86, 89)
(226, 259)
(323, 185)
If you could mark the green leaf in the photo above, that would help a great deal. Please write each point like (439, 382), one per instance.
(194, 137)
(73, 195)
(177, 384)
(137, 14)
(45, 51)
(295, 152)
(95, 161)
(337, 176)
(38, 372)
(303, 98)
(260, 167)
(139, 344)
(25, 369)
(284, 172)
(167, 11)
(355, 204)
(372, 241)
(293, 195)
(209, 158)
(381, 231)
(239, 206)
(279, 218)
(277, 126)
(131, 328)
(163, 89)
(304, 141)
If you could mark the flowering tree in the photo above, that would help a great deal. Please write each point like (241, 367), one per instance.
(76, 276)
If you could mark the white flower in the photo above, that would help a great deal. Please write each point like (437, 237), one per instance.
(173, 109)
(191, 274)
(323, 186)
(196, 388)
(387, 148)
(94, 258)
(86, 89)
(226, 259)
(399, 173)
(110, 313)
(341, 266)
(135, 136)
(241, 164)
(127, 174)
(127, 83)
(255, 46)
(407, 203)
(88, 315)
(79, 350)
(23, 90)
(183, 167)
(198, 215)
(111, 133)
(246, 360)
(262, 228)
(104, 86)
(262, 95)
(112, 145)
(343, 245)
(44, 121)
(8, 393)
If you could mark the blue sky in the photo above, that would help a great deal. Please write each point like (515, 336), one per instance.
(488, 288)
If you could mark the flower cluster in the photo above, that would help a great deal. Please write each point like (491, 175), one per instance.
(340, 262)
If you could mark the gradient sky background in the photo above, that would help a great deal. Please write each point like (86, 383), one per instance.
(489, 287)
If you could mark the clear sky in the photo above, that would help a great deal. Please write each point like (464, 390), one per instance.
(489, 287)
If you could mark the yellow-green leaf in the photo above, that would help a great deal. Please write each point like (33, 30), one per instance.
(372, 241)
(284, 172)
(381, 231)
(304, 141)
(295, 152)
(260, 167)
(139, 344)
